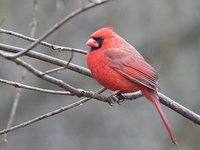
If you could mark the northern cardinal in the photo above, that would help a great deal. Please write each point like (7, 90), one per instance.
(118, 66)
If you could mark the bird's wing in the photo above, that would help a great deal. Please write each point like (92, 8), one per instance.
(132, 65)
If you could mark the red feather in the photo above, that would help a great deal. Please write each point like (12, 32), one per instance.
(133, 66)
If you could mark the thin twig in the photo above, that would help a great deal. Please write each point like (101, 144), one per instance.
(34, 19)
(19, 85)
(52, 46)
(55, 27)
(185, 112)
(60, 68)
(58, 82)
(46, 58)
(52, 113)
(24, 72)
(11, 119)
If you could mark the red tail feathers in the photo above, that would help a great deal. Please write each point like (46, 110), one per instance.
(153, 97)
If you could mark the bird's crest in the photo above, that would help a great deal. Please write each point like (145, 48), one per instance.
(103, 32)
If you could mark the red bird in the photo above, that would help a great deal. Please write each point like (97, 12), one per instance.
(118, 66)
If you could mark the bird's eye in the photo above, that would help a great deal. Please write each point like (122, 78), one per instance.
(101, 38)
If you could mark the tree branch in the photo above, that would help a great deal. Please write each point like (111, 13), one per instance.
(52, 46)
(60, 68)
(55, 27)
(19, 85)
(185, 112)
(79, 103)
(58, 82)
(46, 58)
(24, 72)
(10, 119)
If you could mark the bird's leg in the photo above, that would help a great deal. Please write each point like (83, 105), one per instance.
(116, 97)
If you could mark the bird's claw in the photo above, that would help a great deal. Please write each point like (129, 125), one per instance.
(116, 97)
(112, 100)
(120, 101)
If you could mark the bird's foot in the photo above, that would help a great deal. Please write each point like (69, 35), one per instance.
(116, 97)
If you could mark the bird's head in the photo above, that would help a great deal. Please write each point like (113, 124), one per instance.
(100, 38)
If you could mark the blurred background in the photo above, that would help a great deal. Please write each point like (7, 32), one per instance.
(166, 33)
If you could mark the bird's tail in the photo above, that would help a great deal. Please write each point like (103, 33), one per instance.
(153, 97)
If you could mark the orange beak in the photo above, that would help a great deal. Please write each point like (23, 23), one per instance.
(92, 43)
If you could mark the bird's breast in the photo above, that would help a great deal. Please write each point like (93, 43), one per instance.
(107, 76)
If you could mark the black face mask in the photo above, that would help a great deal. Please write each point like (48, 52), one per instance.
(99, 41)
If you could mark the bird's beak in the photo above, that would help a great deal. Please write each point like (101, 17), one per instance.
(92, 43)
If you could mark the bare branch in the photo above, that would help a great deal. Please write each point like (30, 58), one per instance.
(55, 27)
(46, 58)
(185, 112)
(18, 94)
(60, 68)
(79, 103)
(11, 119)
(58, 82)
(19, 85)
(34, 20)
(52, 46)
